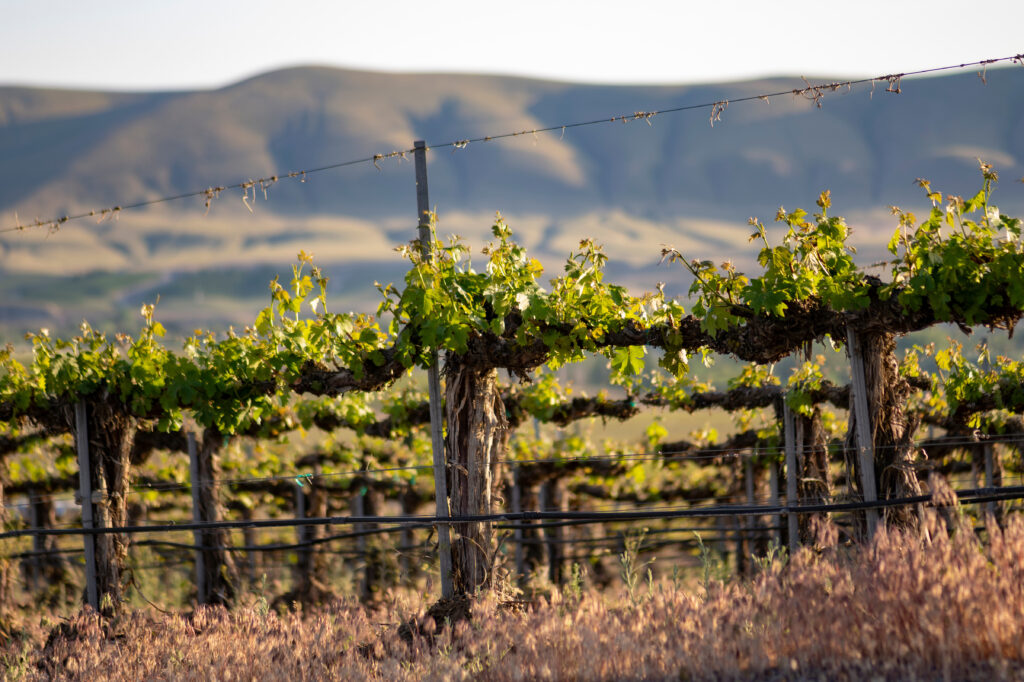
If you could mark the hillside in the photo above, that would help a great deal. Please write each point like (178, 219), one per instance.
(630, 186)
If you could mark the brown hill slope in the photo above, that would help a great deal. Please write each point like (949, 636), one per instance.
(66, 151)
(631, 186)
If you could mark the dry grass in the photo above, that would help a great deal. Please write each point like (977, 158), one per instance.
(943, 607)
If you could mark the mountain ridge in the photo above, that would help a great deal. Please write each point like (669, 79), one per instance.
(140, 146)
(674, 178)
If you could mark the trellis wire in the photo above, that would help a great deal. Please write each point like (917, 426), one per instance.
(973, 496)
(814, 92)
(666, 456)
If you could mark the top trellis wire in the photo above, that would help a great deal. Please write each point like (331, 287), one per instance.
(813, 92)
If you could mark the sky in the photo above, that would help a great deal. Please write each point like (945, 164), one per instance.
(184, 44)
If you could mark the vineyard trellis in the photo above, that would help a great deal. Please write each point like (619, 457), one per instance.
(734, 399)
(950, 268)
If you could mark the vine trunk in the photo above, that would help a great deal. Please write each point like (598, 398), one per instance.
(221, 575)
(892, 432)
(474, 446)
(814, 484)
(111, 440)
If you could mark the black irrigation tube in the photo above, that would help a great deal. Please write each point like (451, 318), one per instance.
(281, 547)
(701, 454)
(401, 549)
(618, 538)
(562, 524)
(41, 553)
(972, 496)
(429, 548)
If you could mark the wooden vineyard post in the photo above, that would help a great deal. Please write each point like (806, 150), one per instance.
(202, 591)
(789, 428)
(444, 544)
(409, 566)
(85, 493)
(986, 448)
(773, 500)
(990, 477)
(5, 583)
(302, 532)
(38, 544)
(751, 521)
(551, 498)
(249, 541)
(358, 507)
(517, 506)
(721, 541)
(862, 419)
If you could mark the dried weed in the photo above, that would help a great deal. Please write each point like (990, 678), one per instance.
(938, 605)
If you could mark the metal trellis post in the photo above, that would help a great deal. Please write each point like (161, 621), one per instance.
(444, 545)
(85, 491)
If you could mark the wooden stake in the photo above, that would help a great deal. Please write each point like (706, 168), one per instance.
(773, 494)
(249, 539)
(85, 491)
(517, 506)
(38, 544)
(302, 532)
(358, 507)
(550, 500)
(789, 428)
(408, 564)
(752, 522)
(444, 544)
(990, 476)
(862, 420)
(202, 589)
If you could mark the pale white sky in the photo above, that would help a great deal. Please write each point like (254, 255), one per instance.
(150, 44)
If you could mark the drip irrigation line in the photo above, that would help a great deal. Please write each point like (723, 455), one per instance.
(974, 496)
(671, 455)
(182, 565)
(675, 557)
(706, 453)
(352, 553)
(668, 456)
(563, 524)
(41, 553)
(305, 477)
(53, 497)
(692, 503)
(619, 538)
(282, 478)
(813, 92)
(710, 453)
(281, 547)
